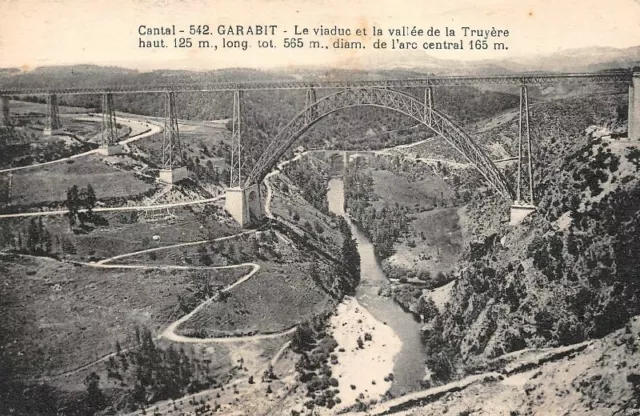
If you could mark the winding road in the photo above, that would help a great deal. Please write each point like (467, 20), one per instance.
(170, 332)
(154, 128)
(112, 209)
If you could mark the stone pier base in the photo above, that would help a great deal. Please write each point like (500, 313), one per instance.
(244, 204)
(174, 175)
(519, 212)
(634, 108)
(115, 149)
(50, 132)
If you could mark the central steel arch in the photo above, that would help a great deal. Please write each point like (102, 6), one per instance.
(390, 99)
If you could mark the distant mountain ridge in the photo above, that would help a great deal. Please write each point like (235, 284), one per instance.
(410, 66)
(569, 60)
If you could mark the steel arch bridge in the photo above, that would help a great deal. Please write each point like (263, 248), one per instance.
(421, 111)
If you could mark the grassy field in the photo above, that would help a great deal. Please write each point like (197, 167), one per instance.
(58, 316)
(393, 188)
(434, 243)
(49, 183)
(121, 235)
(87, 129)
(437, 148)
(201, 140)
(276, 298)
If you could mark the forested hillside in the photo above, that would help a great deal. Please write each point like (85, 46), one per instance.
(568, 273)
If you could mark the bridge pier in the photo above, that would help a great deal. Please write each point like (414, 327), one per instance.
(244, 204)
(428, 105)
(173, 169)
(634, 108)
(235, 174)
(173, 175)
(311, 99)
(345, 163)
(519, 212)
(524, 205)
(110, 144)
(4, 103)
(53, 118)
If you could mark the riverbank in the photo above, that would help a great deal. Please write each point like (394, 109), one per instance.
(363, 367)
(403, 351)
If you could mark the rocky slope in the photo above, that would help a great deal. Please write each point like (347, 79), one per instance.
(568, 273)
(600, 377)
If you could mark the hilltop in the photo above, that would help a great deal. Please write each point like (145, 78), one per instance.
(403, 65)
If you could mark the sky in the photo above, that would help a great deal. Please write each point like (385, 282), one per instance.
(105, 32)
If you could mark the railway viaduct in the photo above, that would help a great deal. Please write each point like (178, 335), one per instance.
(243, 199)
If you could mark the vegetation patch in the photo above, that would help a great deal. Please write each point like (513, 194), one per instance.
(315, 346)
(277, 298)
(65, 316)
(49, 184)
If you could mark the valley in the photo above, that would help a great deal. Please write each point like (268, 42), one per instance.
(384, 277)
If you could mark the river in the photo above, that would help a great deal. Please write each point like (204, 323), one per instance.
(409, 367)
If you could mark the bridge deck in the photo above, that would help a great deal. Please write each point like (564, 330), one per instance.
(618, 77)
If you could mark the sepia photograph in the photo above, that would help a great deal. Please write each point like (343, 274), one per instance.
(299, 208)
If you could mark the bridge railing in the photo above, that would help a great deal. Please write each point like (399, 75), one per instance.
(618, 77)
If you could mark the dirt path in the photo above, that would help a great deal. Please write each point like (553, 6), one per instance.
(112, 209)
(169, 333)
(102, 263)
(166, 405)
(511, 373)
(154, 128)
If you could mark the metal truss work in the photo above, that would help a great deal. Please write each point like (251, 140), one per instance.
(109, 128)
(617, 77)
(53, 118)
(524, 153)
(383, 98)
(310, 100)
(428, 104)
(171, 146)
(236, 141)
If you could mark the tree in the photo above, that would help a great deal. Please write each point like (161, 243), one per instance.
(231, 251)
(427, 309)
(350, 255)
(68, 247)
(303, 338)
(72, 203)
(95, 400)
(6, 236)
(41, 235)
(89, 199)
(204, 257)
(48, 242)
(33, 239)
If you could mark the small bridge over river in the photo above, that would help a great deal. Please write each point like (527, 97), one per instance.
(326, 97)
